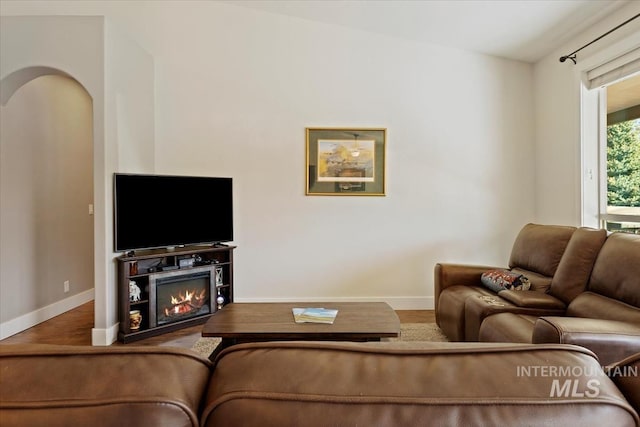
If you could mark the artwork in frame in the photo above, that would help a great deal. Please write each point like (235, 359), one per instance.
(346, 161)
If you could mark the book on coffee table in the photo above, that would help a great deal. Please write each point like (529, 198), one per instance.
(314, 315)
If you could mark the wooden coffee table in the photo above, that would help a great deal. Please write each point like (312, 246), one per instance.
(238, 323)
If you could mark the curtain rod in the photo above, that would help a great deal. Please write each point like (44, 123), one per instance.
(572, 55)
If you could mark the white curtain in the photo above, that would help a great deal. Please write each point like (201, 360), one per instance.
(615, 69)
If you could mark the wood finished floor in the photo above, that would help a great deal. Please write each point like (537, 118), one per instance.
(74, 328)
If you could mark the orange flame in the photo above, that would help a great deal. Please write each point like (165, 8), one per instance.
(186, 303)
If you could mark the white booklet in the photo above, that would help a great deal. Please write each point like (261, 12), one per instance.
(314, 315)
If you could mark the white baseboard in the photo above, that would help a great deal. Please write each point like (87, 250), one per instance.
(397, 303)
(104, 337)
(26, 321)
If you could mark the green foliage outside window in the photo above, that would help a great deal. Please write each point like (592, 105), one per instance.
(623, 164)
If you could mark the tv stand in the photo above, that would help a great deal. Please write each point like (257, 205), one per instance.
(211, 268)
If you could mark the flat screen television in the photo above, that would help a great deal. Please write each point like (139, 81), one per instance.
(157, 211)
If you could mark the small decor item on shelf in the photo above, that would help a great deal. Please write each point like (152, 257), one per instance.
(135, 319)
(134, 291)
(133, 268)
(220, 300)
(219, 276)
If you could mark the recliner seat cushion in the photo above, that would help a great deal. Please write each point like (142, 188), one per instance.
(592, 305)
(507, 327)
(610, 340)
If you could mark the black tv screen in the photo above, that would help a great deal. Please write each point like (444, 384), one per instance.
(155, 211)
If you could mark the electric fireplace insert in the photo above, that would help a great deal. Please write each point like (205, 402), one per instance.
(180, 295)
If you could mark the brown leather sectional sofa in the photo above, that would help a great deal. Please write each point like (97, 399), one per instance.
(316, 384)
(585, 290)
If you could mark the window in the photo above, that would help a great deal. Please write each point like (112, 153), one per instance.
(620, 153)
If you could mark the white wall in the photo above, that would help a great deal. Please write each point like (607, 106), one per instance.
(560, 179)
(234, 91)
(129, 147)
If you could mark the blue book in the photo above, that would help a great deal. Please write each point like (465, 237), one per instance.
(314, 315)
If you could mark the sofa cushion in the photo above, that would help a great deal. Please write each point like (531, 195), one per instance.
(589, 304)
(51, 385)
(616, 273)
(539, 248)
(507, 327)
(576, 263)
(408, 384)
(610, 340)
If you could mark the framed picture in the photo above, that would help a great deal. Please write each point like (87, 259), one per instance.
(346, 161)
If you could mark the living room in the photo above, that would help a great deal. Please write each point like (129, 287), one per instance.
(478, 143)
(228, 79)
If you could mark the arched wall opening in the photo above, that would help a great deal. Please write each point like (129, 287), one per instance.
(46, 178)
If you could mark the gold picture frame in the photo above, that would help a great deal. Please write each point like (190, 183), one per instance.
(346, 161)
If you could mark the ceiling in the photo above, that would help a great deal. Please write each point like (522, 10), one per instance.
(525, 30)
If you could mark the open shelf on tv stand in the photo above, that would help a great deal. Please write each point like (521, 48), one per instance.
(209, 267)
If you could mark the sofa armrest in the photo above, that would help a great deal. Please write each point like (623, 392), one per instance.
(625, 375)
(611, 340)
(446, 275)
(532, 299)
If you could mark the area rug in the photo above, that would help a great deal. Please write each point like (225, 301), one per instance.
(420, 332)
(408, 332)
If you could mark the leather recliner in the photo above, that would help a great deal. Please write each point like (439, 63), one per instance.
(556, 259)
(604, 318)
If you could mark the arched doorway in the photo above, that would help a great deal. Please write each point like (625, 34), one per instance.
(46, 187)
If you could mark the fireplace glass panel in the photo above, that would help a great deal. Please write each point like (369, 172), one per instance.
(182, 297)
